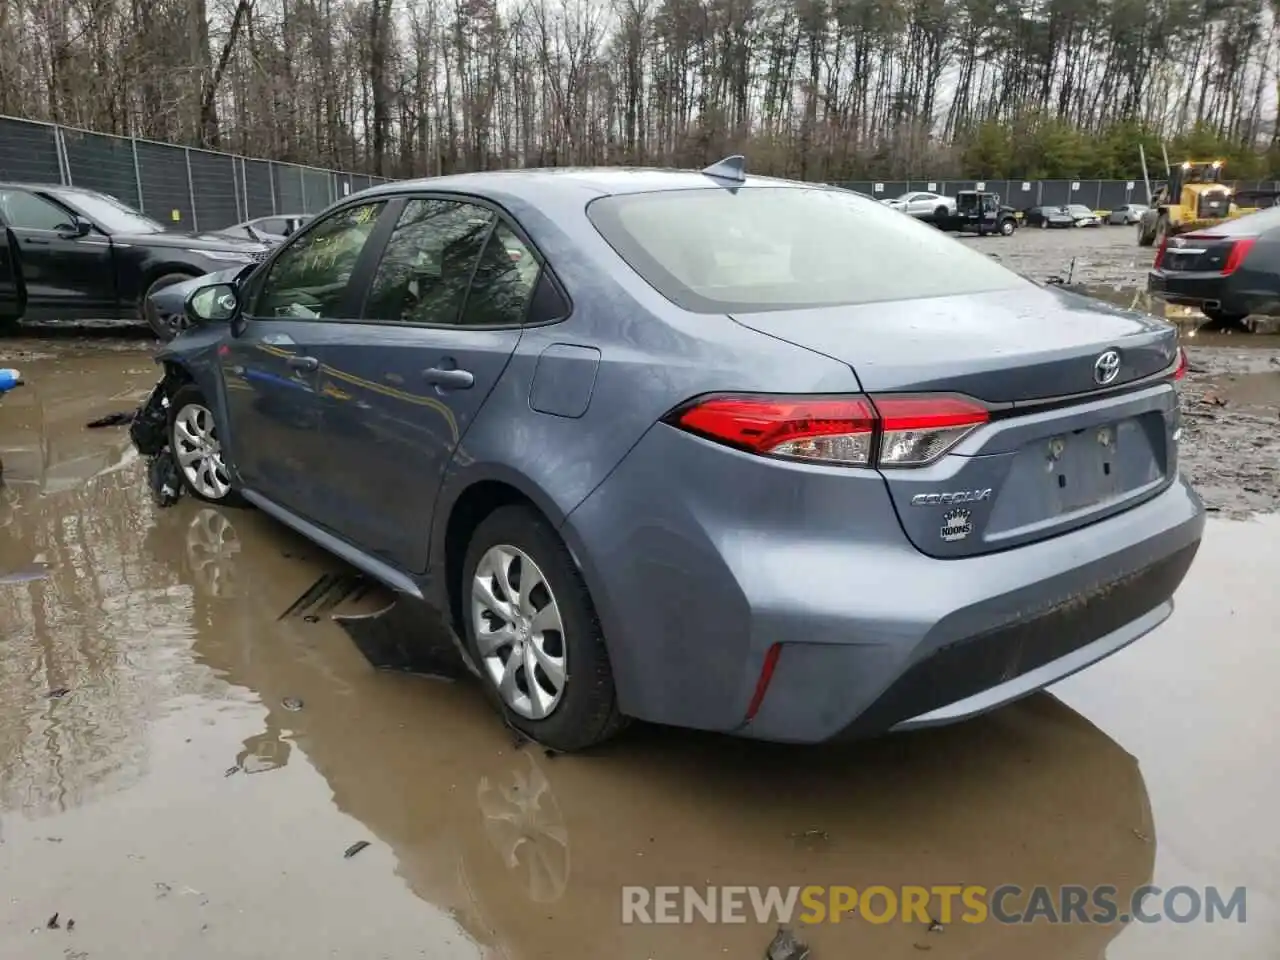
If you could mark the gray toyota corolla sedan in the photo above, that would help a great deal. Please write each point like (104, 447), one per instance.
(717, 451)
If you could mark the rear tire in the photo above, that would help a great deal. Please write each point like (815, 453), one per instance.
(196, 446)
(164, 326)
(560, 691)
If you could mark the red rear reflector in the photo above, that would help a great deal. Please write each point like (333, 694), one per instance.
(1183, 362)
(837, 430)
(762, 684)
(841, 431)
(1164, 245)
(1239, 250)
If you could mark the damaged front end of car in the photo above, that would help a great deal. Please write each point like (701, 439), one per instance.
(149, 431)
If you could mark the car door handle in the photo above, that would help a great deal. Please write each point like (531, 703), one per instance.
(303, 363)
(454, 379)
(32, 241)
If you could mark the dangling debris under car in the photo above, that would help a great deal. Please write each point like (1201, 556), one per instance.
(149, 431)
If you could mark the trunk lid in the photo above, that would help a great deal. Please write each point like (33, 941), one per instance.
(1014, 346)
(1197, 253)
(1061, 450)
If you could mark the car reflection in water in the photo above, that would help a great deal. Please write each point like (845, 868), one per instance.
(1034, 794)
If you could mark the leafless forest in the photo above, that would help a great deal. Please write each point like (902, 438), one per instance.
(822, 89)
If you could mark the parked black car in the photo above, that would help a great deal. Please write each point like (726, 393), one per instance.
(1047, 217)
(77, 254)
(1228, 271)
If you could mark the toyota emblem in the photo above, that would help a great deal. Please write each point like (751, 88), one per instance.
(1106, 368)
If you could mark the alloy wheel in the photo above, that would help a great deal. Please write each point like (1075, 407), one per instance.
(199, 452)
(519, 632)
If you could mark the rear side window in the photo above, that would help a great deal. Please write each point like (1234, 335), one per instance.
(780, 248)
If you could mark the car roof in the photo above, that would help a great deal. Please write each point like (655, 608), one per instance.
(51, 188)
(533, 183)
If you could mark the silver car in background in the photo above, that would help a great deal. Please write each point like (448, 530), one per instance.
(1126, 214)
(923, 205)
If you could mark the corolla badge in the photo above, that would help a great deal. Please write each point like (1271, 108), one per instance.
(954, 496)
(1106, 368)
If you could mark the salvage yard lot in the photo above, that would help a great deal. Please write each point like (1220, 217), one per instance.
(187, 759)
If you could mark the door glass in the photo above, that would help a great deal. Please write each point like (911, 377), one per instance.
(504, 282)
(26, 211)
(427, 264)
(309, 278)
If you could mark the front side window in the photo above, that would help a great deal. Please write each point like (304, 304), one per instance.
(309, 277)
(428, 262)
(778, 248)
(26, 211)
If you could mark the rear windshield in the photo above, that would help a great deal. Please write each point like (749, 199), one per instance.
(1251, 224)
(780, 248)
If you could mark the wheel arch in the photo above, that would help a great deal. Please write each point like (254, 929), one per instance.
(155, 271)
(463, 506)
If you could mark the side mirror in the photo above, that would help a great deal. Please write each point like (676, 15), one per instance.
(215, 303)
(76, 228)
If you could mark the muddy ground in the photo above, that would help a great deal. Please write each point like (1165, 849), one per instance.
(186, 754)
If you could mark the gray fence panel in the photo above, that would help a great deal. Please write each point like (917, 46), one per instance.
(1055, 193)
(257, 188)
(288, 181)
(166, 193)
(318, 187)
(213, 183)
(29, 152)
(103, 163)
(1116, 193)
(342, 186)
(930, 186)
(952, 187)
(359, 183)
(888, 189)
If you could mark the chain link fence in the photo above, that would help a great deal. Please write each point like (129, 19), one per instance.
(190, 188)
(1025, 194)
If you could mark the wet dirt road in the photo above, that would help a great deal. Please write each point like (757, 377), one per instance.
(182, 768)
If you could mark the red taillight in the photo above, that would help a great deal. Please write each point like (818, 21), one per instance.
(1164, 245)
(918, 430)
(1239, 250)
(762, 682)
(1180, 370)
(908, 431)
(830, 429)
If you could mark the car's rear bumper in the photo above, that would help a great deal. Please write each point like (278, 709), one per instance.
(700, 560)
(1195, 290)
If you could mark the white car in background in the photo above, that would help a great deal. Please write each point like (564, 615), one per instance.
(922, 204)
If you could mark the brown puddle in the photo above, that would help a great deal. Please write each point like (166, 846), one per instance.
(180, 762)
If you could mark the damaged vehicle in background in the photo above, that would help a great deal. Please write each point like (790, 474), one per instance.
(1049, 217)
(769, 490)
(84, 255)
(1228, 272)
(271, 230)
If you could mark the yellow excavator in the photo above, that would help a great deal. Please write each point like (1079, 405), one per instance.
(1192, 198)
